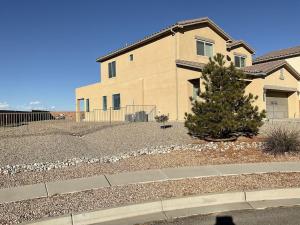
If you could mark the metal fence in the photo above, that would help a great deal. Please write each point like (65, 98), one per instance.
(15, 119)
(129, 113)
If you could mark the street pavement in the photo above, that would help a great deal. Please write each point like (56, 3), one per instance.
(271, 216)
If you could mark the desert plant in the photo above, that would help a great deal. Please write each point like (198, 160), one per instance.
(225, 110)
(281, 140)
(162, 119)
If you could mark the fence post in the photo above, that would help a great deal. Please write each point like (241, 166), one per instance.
(125, 113)
(110, 115)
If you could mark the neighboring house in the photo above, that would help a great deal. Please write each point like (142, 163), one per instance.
(291, 55)
(280, 100)
(164, 69)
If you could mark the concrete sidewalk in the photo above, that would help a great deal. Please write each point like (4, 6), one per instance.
(81, 184)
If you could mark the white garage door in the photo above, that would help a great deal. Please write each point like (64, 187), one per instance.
(277, 105)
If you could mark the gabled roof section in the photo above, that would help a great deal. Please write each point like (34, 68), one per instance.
(279, 54)
(238, 43)
(264, 69)
(166, 31)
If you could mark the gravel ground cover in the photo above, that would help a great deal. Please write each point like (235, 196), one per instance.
(55, 127)
(42, 142)
(213, 154)
(65, 150)
(49, 142)
(23, 211)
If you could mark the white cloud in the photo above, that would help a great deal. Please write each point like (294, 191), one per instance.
(52, 107)
(34, 103)
(4, 105)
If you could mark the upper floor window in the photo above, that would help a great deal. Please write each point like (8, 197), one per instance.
(112, 69)
(131, 57)
(239, 61)
(204, 48)
(116, 101)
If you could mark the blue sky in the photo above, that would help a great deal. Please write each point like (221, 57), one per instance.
(49, 47)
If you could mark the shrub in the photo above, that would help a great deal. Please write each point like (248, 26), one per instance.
(226, 110)
(280, 140)
(162, 118)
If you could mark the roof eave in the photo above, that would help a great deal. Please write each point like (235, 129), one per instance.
(166, 31)
(132, 46)
(258, 74)
(251, 50)
(257, 61)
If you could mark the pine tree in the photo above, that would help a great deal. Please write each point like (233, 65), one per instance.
(225, 110)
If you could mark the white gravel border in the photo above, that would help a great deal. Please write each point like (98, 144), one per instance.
(46, 166)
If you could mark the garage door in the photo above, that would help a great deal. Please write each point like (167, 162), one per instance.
(277, 104)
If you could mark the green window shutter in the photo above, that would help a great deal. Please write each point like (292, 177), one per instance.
(104, 103)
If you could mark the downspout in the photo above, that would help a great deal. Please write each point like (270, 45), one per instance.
(176, 72)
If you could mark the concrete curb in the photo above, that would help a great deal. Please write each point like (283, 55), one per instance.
(179, 207)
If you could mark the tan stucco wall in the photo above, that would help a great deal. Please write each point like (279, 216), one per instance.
(149, 79)
(150, 60)
(295, 63)
(241, 51)
(188, 50)
(186, 90)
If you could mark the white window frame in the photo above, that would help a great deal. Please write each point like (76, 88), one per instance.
(240, 56)
(205, 42)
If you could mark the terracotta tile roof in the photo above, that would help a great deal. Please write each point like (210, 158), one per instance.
(262, 69)
(268, 67)
(279, 54)
(165, 31)
(191, 64)
(237, 43)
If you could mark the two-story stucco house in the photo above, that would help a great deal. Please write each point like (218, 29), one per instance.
(164, 69)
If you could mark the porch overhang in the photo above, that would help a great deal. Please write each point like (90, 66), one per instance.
(190, 64)
(280, 88)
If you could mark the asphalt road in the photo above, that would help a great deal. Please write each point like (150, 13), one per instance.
(272, 216)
